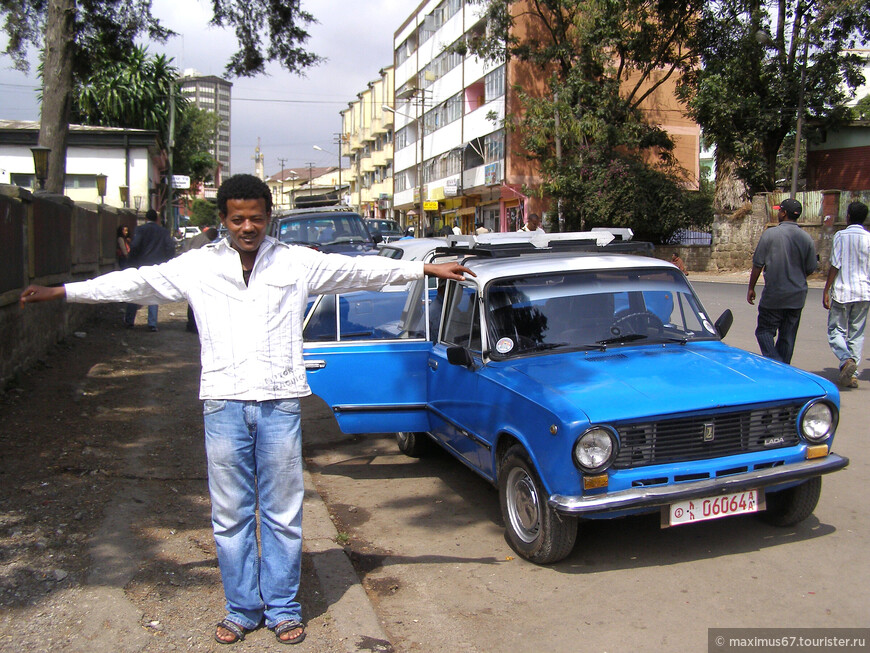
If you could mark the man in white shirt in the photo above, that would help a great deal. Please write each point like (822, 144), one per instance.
(249, 293)
(533, 223)
(847, 293)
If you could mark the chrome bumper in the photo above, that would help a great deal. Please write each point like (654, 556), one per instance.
(661, 495)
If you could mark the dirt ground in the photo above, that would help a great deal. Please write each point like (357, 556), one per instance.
(105, 537)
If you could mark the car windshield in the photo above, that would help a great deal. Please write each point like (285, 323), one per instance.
(592, 310)
(323, 230)
(384, 226)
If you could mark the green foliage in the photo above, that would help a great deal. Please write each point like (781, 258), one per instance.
(203, 213)
(615, 167)
(747, 92)
(861, 111)
(195, 135)
(105, 30)
(131, 92)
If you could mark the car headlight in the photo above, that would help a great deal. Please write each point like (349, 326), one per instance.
(818, 421)
(595, 450)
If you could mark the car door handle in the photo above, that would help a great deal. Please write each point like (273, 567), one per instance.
(433, 364)
(315, 364)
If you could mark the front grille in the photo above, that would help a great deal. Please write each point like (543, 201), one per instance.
(706, 436)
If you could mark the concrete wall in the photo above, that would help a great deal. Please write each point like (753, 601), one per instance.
(48, 240)
(735, 236)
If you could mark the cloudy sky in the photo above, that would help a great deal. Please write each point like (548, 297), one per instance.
(289, 114)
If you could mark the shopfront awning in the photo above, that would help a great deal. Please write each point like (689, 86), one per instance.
(468, 210)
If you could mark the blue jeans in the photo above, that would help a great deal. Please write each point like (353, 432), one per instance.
(776, 332)
(254, 455)
(846, 330)
(130, 314)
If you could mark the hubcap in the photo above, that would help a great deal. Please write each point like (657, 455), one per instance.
(523, 506)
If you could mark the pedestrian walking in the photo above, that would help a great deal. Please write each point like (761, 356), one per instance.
(249, 292)
(787, 256)
(122, 246)
(533, 223)
(847, 294)
(151, 244)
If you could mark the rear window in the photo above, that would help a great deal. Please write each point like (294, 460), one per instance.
(325, 229)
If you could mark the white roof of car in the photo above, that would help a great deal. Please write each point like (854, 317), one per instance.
(488, 269)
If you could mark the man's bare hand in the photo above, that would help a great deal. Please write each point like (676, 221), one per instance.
(41, 294)
(447, 270)
(750, 296)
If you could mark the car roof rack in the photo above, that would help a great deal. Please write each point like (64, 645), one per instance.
(498, 245)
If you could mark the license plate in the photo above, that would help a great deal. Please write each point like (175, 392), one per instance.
(724, 505)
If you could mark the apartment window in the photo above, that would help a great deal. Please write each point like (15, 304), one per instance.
(401, 182)
(493, 146)
(453, 163)
(405, 137)
(454, 108)
(494, 84)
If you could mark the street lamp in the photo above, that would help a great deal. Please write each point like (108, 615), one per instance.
(101, 186)
(320, 149)
(124, 191)
(421, 131)
(138, 201)
(40, 164)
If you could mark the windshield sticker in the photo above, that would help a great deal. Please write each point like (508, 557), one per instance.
(709, 327)
(504, 345)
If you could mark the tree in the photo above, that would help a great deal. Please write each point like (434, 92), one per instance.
(195, 135)
(74, 34)
(757, 58)
(203, 213)
(600, 157)
(861, 111)
(131, 92)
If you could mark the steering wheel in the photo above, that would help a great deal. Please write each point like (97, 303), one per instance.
(635, 320)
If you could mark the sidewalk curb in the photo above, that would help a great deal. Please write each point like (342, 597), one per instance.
(353, 615)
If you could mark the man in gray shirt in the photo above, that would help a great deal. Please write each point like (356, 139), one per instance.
(787, 256)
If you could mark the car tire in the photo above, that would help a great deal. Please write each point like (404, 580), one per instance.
(415, 444)
(534, 530)
(792, 506)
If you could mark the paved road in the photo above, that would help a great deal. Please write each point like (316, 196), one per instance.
(428, 536)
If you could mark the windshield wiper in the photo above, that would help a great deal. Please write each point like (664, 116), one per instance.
(628, 337)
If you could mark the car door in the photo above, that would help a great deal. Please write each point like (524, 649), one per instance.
(456, 408)
(366, 354)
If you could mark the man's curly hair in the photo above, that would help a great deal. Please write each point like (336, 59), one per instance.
(243, 187)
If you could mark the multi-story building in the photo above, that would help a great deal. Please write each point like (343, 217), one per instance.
(212, 94)
(454, 161)
(367, 141)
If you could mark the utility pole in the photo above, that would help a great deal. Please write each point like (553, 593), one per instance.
(421, 95)
(339, 141)
(170, 219)
(281, 174)
(558, 123)
(310, 188)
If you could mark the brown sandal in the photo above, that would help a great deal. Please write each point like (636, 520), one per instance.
(237, 631)
(286, 627)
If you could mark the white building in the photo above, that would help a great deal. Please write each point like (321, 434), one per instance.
(128, 157)
(458, 103)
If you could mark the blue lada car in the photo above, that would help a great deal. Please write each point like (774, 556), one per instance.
(584, 385)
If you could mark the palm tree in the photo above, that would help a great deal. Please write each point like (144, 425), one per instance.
(133, 92)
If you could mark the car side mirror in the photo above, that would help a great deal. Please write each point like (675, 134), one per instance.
(723, 324)
(376, 238)
(460, 356)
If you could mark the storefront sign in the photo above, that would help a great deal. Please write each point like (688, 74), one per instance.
(451, 188)
(430, 206)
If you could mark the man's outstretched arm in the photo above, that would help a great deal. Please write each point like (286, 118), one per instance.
(41, 294)
(447, 270)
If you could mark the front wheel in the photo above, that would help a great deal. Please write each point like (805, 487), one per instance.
(792, 506)
(535, 531)
(414, 444)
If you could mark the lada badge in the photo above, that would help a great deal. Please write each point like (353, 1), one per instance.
(709, 431)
